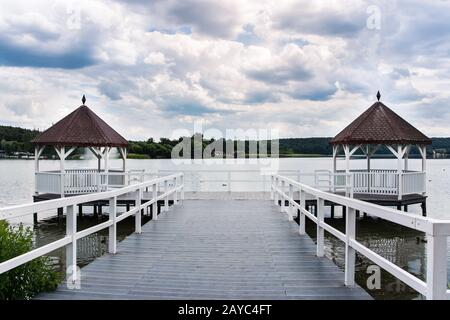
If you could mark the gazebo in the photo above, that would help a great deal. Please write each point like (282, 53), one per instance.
(81, 128)
(380, 126)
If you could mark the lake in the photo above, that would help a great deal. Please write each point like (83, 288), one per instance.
(400, 245)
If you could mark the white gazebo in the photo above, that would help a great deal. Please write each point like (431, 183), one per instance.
(80, 129)
(380, 126)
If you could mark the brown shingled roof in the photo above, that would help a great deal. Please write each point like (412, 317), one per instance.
(81, 128)
(380, 125)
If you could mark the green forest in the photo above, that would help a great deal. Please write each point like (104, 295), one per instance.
(13, 140)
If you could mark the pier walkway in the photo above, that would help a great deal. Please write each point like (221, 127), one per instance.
(214, 249)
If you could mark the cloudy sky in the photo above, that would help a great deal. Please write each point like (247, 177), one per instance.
(306, 68)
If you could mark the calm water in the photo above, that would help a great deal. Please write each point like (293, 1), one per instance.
(400, 245)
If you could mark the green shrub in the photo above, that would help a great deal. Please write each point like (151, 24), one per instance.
(25, 281)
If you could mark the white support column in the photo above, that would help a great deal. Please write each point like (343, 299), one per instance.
(123, 154)
(350, 253)
(320, 230)
(37, 153)
(276, 195)
(347, 167)
(112, 247)
(406, 156)
(182, 188)
(62, 156)
(138, 214)
(347, 158)
(71, 248)
(106, 156)
(155, 204)
(166, 198)
(400, 152)
(291, 207)
(436, 267)
(335, 153)
(175, 194)
(399, 159)
(423, 153)
(272, 181)
(301, 229)
(283, 200)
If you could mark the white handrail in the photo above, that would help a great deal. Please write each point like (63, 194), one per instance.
(437, 232)
(72, 235)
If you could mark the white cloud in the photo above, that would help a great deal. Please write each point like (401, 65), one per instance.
(232, 64)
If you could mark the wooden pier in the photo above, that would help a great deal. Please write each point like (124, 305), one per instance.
(214, 249)
(226, 247)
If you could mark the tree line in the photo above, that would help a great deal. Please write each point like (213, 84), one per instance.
(14, 139)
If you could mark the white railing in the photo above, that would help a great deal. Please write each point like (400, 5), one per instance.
(79, 181)
(229, 180)
(250, 180)
(375, 182)
(171, 186)
(47, 182)
(83, 181)
(437, 231)
(413, 182)
(387, 182)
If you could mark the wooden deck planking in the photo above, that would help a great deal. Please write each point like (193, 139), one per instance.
(214, 249)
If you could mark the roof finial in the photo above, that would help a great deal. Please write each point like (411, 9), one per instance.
(378, 95)
(83, 99)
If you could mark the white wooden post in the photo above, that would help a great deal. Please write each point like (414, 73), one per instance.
(276, 196)
(347, 167)
(37, 153)
(123, 154)
(423, 153)
(138, 214)
(347, 158)
(350, 253)
(291, 207)
(399, 159)
(272, 194)
(107, 150)
(112, 247)
(155, 204)
(175, 194)
(335, 151)
(320, 230)
(166, 199)
(71, 248)
(424, 158)
(400, 170)
(283, 184)
(62, 156)
(436, 267)
(301, 229)
(406, 158)
(182, 186)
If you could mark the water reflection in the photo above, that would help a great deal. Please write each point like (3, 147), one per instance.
(400, 245)
(89, 247)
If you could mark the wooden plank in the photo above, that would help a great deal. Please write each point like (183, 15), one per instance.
(214, 249)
